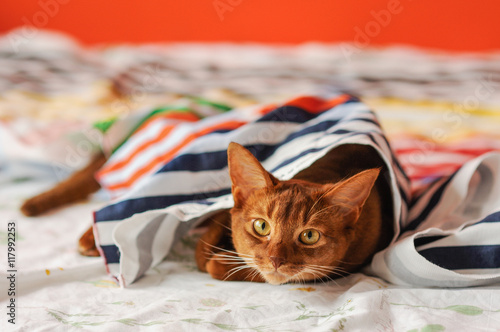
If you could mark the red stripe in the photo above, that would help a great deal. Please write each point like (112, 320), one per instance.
(182, 117)
(187, 117)
(316, 105)
(419, 171)
(469, 152)
(160, 160)
(266, 109)
(122, 163)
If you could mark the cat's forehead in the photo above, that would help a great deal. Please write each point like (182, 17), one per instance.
(293, 193)
(287, 201)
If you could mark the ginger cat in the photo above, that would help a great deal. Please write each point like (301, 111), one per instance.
(328, 221)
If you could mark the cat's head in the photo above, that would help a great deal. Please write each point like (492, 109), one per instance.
(292, 230)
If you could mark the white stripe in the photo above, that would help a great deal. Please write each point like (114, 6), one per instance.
(174, 183)
(105, 230)
(153, 131)
(176, 136)
(264, 132)
(218, 179)
(417, 209)
(147, 156)
(464, 199)
(480, 234)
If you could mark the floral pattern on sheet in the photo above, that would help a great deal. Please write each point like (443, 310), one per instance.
(302, 317)
(76, 321)
(174, 296)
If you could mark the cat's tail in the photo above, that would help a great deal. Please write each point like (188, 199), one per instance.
(76, 188)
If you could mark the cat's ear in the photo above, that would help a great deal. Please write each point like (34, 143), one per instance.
(350, 195)
(246, 173)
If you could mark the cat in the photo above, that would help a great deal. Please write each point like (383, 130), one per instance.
(327, 221)
(358, 237)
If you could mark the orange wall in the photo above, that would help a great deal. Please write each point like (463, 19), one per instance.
(454, 25)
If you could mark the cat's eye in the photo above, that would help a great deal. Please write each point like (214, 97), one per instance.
(262, 227)
(309, 236)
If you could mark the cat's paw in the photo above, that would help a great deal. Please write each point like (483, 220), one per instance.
(86, 244)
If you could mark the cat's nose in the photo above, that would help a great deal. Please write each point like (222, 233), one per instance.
(277, 261)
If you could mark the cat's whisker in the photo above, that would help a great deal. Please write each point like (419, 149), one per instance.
(316, 274)
(325, 272)
(211, 254)
(329, 269)
(220, 224)
(300, 277)
(253, 274)
(236, 269)
(231, 257)
(324, 276)
(340, 273)
(325, 269)
(228, 259)
(229, 262)
(225, 250)
(302, 280)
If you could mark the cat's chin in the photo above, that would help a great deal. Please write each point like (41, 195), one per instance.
(276, 278)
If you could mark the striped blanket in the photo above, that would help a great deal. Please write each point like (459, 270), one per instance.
(172, 173)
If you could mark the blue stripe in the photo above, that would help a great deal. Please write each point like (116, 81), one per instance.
(215, 160)
(427, 239)
(128, 208)
(395, 162)
(197, 162)
(494, 217)
(345, 132)
(112, 253)
(288, 114)
(464, 257)
(433, 202)
(296, 114)
(218, 159)
(125, 209)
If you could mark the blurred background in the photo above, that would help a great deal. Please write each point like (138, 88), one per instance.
(447, 24)
(67, 65)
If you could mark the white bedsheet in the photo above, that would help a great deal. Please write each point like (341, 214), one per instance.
(59, 290)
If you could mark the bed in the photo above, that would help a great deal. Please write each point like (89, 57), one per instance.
(438, 110)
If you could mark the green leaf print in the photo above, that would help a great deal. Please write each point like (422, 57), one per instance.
(226, 327)
(193, 320)
(72, 319)
(432, 328)
(211, 302)
(468, 310)
(252, 307)
(429, 328)
(134, 322)
(306, 314)
(341, 326)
